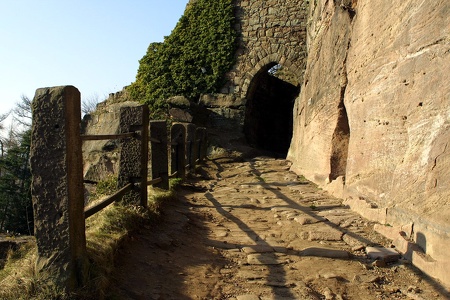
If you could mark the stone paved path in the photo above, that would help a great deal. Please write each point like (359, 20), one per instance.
(254, 230)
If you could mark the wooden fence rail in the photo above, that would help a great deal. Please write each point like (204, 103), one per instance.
(89, 211)
(57, 173)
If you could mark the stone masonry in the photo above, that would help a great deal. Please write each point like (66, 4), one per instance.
(269, 32)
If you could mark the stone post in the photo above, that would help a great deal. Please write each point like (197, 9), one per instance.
(178, 150)
(57, 186)
(190, 147)
(133, 165)
(159, 153)
(202, 144)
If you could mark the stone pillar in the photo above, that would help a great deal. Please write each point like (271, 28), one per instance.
(190, 145)
(159, 153)
(202, 143)
(57, 185)
(134, 153)
(178, 150)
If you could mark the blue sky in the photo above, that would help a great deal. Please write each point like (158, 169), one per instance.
(94, 45)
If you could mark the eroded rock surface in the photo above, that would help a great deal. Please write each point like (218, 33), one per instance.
(372, 123)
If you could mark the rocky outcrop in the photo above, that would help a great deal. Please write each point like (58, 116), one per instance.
(101, 158)
(372, 123)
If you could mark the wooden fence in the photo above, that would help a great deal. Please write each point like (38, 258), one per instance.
(56, 166)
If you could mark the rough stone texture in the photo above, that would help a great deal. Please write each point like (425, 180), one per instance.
(202, 140)
(374, 109)
(191, 150)
(178, 150)
(324, 252)
(159, 154)
(134, 153)
(57, 185)
(269, 33)
(385, 254)
(101, 158)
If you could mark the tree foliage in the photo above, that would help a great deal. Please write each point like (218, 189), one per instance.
(16, 213)
(193, 59)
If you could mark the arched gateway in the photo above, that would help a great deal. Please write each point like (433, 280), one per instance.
(270, 33)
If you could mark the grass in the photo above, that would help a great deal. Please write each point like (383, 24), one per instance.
(19, 279)
(105, 232)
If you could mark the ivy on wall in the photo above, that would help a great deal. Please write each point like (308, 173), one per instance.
(192, 60)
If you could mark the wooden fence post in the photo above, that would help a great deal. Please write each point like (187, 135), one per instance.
(133, 165)
(177, 153)
(159, 153)
(57, 186)
(190, 147)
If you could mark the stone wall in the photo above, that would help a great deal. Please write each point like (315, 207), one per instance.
(269, 32)
(372, 123)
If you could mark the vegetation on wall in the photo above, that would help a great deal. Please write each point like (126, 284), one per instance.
(191, 61)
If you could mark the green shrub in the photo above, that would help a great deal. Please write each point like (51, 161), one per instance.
(192, 60)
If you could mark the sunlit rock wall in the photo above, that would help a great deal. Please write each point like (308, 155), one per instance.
(372, 123)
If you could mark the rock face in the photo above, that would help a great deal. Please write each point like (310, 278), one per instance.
(372, 122)
(101, 158)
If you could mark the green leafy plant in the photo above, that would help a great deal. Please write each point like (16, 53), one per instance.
(107, 186)
(192, 60)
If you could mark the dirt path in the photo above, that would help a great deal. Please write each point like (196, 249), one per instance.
(253, 230)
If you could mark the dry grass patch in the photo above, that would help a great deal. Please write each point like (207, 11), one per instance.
(105, 231)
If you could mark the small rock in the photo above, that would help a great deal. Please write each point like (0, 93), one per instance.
(306, 220)
(221, 234)
(276, 284)
(414, 289)
(329, 295)
(324, 252)
(353, 241)
(381, 253)
(329, 275)
(251, 275)
(326, 234)
(379, 263)
(257, 249)
(263, 259)
(358, 248)
(374, 279)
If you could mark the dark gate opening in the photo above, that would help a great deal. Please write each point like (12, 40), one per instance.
(268, 116)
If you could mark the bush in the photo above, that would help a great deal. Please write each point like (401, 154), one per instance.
(193, 60)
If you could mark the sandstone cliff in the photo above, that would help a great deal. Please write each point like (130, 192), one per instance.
(101, 158)
(372, 122)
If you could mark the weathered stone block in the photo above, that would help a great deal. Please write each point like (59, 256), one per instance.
(159, 154)
(57, 185)
(134, 153)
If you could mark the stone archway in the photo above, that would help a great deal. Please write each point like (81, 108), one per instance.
(268, 116)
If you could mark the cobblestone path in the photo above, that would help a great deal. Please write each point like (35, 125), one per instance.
(252, 229)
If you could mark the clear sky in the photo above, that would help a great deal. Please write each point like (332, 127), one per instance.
(94, 45)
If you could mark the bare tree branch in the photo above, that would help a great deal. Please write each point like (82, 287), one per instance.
(22, 111)
(89, 105)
